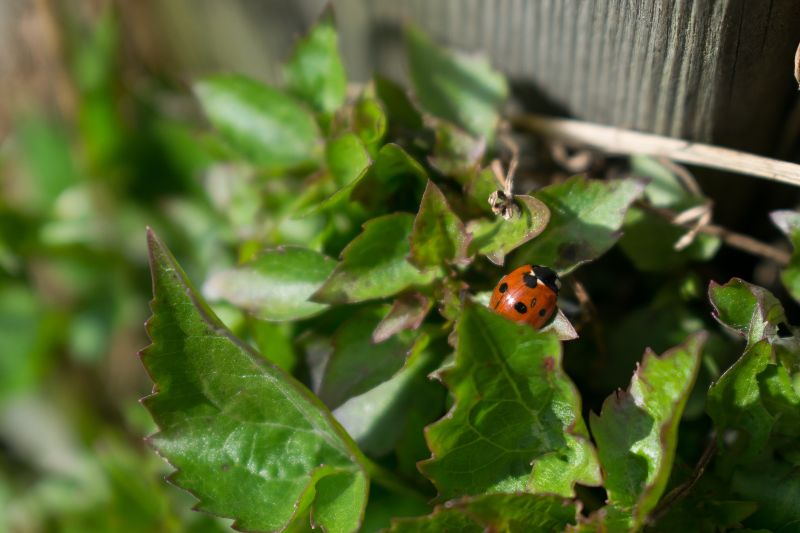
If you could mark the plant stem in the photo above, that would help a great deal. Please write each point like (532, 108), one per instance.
(731, 238)
(682, 490)
(621, 141)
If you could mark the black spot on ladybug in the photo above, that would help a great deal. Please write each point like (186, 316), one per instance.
(548, 277)
(521, 308)
(503, 287)
(530, 280)
(542, 311)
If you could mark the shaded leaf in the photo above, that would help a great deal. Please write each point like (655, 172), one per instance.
(517, 513)
(407, 312)
(789, 223)
(455, 152)
(374, 264)
(749, 310)
(347, 158)
(585, 217)
(399, 109)
(516, 424)
(248, 440)
(464, 90)
(497, 237)
(315, 71)
(775, 487)
(263, 124)
(358, 364)
(562, 327)
(637, 430)
(439, 236)
(275, 285)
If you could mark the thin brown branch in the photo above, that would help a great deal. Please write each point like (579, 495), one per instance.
(681, 491)
(626, 142)
(731, 238)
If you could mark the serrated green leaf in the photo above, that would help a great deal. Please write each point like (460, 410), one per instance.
(315, 71)
(585, 218)
(407, 312)
(501, 513)
(749, 310)
(347, 158)
(248, 440)
(358, 364)
(374, 264)
(497, 237)
(734, 404)
(516, 424)
(275, 285)
(789, 223)
(464, 90)
(637, 430)
(439, 237)
(263, 124)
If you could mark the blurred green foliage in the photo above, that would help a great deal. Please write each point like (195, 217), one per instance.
(319, 346)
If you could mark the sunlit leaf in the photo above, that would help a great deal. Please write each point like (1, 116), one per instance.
(439, 236)
(585, 218)
(751, 311)
(248, 440)
(275, 285)
(515, 512)
(497, 237)
(374, 264)
(347, 158)
(637, 430)
(464, 90)
(516, 424)
(264, 125)
(315, 71)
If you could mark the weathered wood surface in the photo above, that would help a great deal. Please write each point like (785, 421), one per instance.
(711, 71)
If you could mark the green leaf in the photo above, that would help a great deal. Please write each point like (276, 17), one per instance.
(775, 487)
(439, 237)
(463, 90)
(455, 152)
(734, 403)
(374, 264)
(275, 285)
(369, 121)
(637, 430)
(407, 312)
(248, 440)
(516, 512)
(263, 124)
(649, 240)
(358, 364)
(749, 310)
(516, 424)
(585, 218)
(393, 170)
(497, 237)
(347, 158)
(315, 71)
(401, 113)
(789, 223)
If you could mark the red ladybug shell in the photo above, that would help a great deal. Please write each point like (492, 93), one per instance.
(528, 294)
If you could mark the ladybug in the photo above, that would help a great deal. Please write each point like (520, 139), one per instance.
(528, 294)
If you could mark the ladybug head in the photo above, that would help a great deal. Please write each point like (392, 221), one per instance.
(547, 276)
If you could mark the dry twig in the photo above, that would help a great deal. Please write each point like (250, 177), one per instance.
(627, 142)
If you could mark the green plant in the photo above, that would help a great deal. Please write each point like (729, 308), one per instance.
(352, 218)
